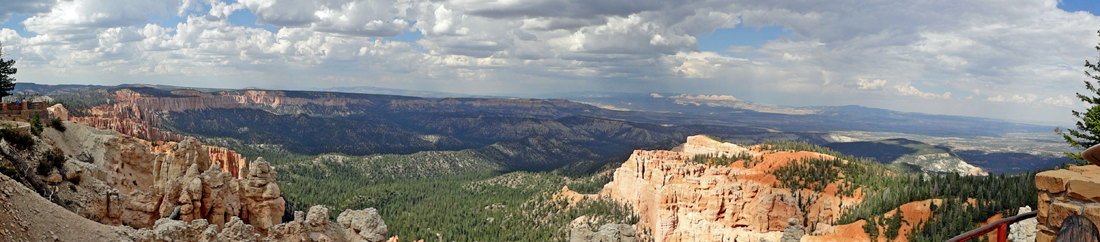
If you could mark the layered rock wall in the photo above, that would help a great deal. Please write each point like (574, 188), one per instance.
(684, 201)
(133, 182)
(1063, 193)
(135, 114)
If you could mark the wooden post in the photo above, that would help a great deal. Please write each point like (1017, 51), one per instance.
(1002, 232)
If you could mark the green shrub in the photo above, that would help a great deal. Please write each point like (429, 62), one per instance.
(36, 124)
(592, 185)
(55, 123)
(43, 168)
(723, 160)
(8, 171)
(18, 139)
(55, 157)
(893, 224)
(871, 229)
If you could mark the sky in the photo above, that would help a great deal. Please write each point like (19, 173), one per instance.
(1008, 59)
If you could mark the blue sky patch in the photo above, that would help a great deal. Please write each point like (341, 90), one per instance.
(1090, 6)
(16, 23)
(742, 35)
(244, 17)
(171, 22)
(408, 36)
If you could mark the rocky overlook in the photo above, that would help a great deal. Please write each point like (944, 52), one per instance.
(134, 182)
(164, 191)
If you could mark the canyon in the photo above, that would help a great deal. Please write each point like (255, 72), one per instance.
(680, 199)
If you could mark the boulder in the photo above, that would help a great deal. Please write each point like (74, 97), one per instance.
(363, 225)
(610, 232)
(1023, 230)
(794, 231)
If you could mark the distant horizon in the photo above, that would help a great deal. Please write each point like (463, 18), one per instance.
(548, 96)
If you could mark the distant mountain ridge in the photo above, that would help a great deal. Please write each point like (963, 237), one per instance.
(727, 110)
(518, 133)
(524, 134)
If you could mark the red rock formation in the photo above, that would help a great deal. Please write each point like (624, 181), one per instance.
(684, 201)
(135, 183)
(913, 213)
(135, 114)
(227, 160)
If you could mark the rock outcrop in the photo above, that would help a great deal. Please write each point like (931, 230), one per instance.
(59, 111)
(606, 233)
(679, 200)
(794, 231)
(169, 192)
(30, 217)
(1023, 231)
(132, 182)
(941, 164)
(313, 226)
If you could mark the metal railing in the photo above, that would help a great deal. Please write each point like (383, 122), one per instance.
(1001, 226)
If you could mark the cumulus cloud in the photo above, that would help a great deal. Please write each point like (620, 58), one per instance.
(578, 44)
(562, 8)
(701, 64)
(80, 17)
(908, 90)
(864, 84)
(24, 7)
(283, 13)
(1061, 100)
(1026, 98)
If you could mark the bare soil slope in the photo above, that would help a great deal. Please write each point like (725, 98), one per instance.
(26, 216)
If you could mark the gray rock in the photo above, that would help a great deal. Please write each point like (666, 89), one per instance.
(1024, 230)
(794, 231)
(366, 223)
(85, 157)
(606, 233)
(175, 214)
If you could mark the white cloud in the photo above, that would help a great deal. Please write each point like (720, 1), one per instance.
(1026, 98)
(572, 44)
(700, 64)
(24, 7)
(864, 84)
(283, 13)
(79, 19)
(908, 90)
(1061, 100)
(222, 10)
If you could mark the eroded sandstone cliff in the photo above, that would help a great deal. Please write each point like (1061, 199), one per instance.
(133, 182)
(680, 200)
(169, 191)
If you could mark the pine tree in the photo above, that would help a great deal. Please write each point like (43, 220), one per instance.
(1087, 133)
(7, 69)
